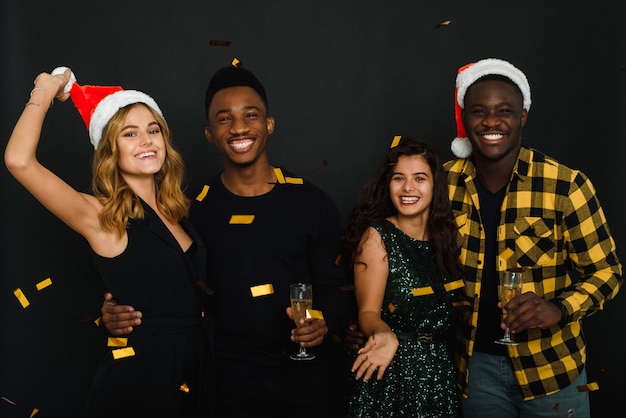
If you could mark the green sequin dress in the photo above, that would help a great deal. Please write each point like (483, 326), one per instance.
(421, 380)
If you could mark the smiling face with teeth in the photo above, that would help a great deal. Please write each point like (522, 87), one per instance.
(239, 126)
(140, 143)
(411, 188)
(493, 116)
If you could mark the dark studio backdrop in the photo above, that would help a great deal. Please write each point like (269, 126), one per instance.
(342, 77)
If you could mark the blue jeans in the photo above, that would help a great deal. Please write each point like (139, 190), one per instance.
(494, 392)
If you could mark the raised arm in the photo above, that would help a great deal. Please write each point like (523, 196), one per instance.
(77, 210)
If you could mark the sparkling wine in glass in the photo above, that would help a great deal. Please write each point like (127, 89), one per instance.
(301, 295)
(510, 286)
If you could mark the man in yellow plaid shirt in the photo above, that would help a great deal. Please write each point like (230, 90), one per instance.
(518, 208)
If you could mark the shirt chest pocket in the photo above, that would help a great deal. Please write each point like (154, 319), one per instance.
(534, 241)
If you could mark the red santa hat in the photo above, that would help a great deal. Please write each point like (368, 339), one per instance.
(98, 104)
(467, 75)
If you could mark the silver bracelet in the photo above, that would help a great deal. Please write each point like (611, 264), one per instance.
(36, 88)
(35, 103)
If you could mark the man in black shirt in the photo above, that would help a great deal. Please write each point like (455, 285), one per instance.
(264, 229)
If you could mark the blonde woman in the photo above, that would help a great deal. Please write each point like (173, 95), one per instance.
(144, 248)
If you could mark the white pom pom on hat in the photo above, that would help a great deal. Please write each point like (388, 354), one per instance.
(467, 75)
(98, 104)
(68, 86)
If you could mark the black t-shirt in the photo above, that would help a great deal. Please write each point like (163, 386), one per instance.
(290, 234)
(489, 315)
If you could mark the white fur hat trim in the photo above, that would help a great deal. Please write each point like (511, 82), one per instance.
(490, 66)
(110, 105)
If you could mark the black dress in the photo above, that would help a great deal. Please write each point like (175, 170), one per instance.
(169, 374)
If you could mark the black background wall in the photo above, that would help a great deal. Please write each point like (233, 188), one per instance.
(343, 78)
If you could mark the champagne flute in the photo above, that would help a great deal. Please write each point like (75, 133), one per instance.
(510, 286)
(301, 295)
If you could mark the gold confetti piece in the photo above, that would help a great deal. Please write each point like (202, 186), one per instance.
(314, 314)
(123, 352)
(44, 283)
(279, 175)
(217, 42)
(98, 321)
(8, 400)
(21, 297)
(457, 284)
(347, 288)
(294, 180)
(117, 342)
(396, 141)
(423, 291)
(241, 219)
(391, 307)
(235, 63)
(262, 290)
(589, 387)
(206, 289)
(202, 194)
(444, 23)
(35, 412)
(184, 388)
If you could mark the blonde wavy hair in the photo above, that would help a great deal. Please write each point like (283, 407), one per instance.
(119, 201)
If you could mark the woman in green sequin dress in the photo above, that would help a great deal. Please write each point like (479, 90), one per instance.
(402, 240)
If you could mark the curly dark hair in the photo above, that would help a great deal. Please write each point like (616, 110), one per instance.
(375, 204)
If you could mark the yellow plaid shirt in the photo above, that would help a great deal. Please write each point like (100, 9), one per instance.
(552, 224)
